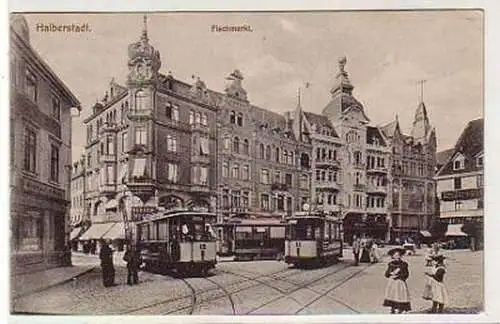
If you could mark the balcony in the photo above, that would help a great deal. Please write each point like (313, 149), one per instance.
(279, 187)
(197, 127)
(107, 158)
(377, 210)
(327, 185)
(143, 188)
(200, 188)
(359, 166)
(107, 188)
(359, 186)
(140, 114)
(376, 189)
(377, 169)
(200, 159)
(331, 208)
(327, 163)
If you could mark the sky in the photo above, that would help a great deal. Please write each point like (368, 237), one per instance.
(388, 53)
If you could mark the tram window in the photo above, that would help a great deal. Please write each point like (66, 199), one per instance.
(151, 234)
(317, 232)
(162, 231)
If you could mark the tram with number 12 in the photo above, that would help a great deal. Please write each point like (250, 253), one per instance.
(313, 238)
(183, 241)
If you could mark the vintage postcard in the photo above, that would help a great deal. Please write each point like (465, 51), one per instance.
(247, 163)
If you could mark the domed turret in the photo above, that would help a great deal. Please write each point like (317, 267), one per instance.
(144, 61)
(234, 87)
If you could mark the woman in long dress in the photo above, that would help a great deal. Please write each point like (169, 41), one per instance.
(397, 295)
(374, 256)
(438, 291)
(108, 269)
(365, 251)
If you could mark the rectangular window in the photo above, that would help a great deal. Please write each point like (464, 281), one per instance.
(236, 171)
(110, 147)
(458, 205)
(56, 108)
(30, 151)
(480, 181)
(175, 113)
(54, 163)
(31, 86)
(203, 176)
(304, 181)
(288, 180)
(172, 172)
(171, 143)
(30, 232)
(264, 176)
(277, 177)
(204, 148)
(110, 174)
(124, 142)
(458, 183)
(246, 172)
(264, 202)
(140, 135)
(204, 120)
(225, 170)
(480, 203)
(191, 117)
(480, 161)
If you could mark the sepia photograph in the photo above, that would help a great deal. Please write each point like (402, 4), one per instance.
(246, 163)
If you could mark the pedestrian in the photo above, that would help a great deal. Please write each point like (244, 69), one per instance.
(365, 251)
(374, 256)
(108, 269)
(437, 292)
(356, 245)
(133, 260)
(397, 295)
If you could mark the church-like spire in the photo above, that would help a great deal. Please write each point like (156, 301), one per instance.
(421, 124)
(342, 82)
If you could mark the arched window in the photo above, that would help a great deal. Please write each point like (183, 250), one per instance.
(291, 160)
(140, 100)
(277, 155)
(236, 171)
(227, 142)
(268, 152)
(285, 156)
(261, 150)
(236, 145)
(304, 161)
(246, 147)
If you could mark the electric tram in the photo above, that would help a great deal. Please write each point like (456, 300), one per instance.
(183, 241)
(312, 238)
(252, 239)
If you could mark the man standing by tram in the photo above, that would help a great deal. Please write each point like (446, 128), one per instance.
(356, 247)
(133, 260)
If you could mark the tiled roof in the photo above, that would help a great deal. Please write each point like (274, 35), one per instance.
(469, 144)
(320, 120)
(390, 128)
(443, 156)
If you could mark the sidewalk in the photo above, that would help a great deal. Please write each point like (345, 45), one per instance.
(25, 284)
(463, 281)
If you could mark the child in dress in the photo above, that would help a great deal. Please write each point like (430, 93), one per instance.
(397, 295)
(439, 294)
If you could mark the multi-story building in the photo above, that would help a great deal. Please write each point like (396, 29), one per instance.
(413, 164)
(40, 157)
(460, 180)
(79, 216)
(263, 164)
(150, 144)
(160, 142)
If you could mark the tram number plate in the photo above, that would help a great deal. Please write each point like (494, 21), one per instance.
(203, 246)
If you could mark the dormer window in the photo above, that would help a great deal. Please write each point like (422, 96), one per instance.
(479, 161)
(459, 162)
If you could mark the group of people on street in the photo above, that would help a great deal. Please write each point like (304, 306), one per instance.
(365, 250)
(397, 295)
(131, 257)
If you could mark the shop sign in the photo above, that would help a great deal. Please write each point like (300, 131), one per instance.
(463, 194)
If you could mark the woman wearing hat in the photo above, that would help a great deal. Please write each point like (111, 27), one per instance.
(397, 295)
(438, 293)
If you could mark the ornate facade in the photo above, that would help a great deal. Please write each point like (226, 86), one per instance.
(160, 142)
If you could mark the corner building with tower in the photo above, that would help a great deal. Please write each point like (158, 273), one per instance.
(158, 142)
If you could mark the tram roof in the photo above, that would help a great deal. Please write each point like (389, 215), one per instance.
(178, 213)
(312, 216)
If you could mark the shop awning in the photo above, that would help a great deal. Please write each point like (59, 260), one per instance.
(116, 232)
(455, 230)
(112, 204)
(139, 168)
(425, 233)
(96, 231)
(74, 233)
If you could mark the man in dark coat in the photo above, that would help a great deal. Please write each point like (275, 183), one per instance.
(133, 260)
(108, 269)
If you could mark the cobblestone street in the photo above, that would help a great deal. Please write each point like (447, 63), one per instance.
(257, 287)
